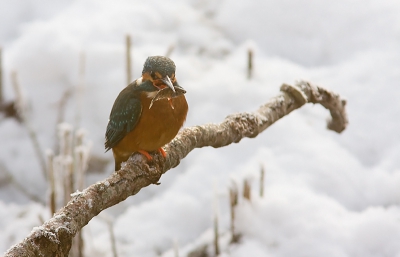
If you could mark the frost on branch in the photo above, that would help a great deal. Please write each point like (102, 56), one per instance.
(56, 234)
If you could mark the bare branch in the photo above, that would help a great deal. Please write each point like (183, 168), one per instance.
(54, 237)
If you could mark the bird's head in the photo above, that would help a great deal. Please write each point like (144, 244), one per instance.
(160, 71)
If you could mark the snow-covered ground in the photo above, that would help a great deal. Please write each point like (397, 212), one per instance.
(326, 194)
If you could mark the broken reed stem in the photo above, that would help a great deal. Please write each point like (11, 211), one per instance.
(81, 164)
(233, 201)
(170, 49)
(112, 239)
(79, 89)
(65, 133)
(72, 164)
(128, 60)
(176, 248)
(61, 106)
(50, 171)
(66, 161)
(1, 76)
(249, 63)
(81, 159)
(80, 243)
(216, 235)
(25, 121)
(216, 213)
(80, 169)
(110, 225)
(77, 246)
(262, 174)
(246, 189)
(71, 175)
(68, 179)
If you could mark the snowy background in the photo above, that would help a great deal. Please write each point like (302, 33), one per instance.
(326, 194)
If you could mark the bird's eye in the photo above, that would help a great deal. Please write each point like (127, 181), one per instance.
(153, 75)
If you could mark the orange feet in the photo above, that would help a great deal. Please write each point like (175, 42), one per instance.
(146, 154)
(162, 152)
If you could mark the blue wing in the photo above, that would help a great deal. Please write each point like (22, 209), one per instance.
(124, 116)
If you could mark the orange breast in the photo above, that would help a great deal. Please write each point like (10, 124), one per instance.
(156, 127)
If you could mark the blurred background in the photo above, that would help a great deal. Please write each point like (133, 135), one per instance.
(323, 194)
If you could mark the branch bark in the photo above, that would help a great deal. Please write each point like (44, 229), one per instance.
(54, 237)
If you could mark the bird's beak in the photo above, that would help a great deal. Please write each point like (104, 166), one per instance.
(168, 82)
(179, 90)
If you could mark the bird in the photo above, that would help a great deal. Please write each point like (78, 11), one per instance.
(141, 122)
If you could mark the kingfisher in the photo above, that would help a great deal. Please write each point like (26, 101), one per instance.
(144, 118)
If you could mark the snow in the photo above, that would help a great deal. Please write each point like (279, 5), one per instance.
(326, 194)
(76, 193)
(40, 231)
(90, 203)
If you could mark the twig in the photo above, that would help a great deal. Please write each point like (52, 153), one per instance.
(80, 89)
(246, 189)
(233, 201)
(25, 121)
(77, 246)
(112, 239)
(61, 106)
(249, 63)
(64, 162)
(81, 161)
(1, 76)
(110, 225)
(216, 214)
(50, 171)
(176, 248)
(216, 235)
(54, 237)
(170, 49)
(128, 60)
(71, 165)
(8, 108)
(262, 174)
(68, 179)
(23, 189)
(62, 103)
